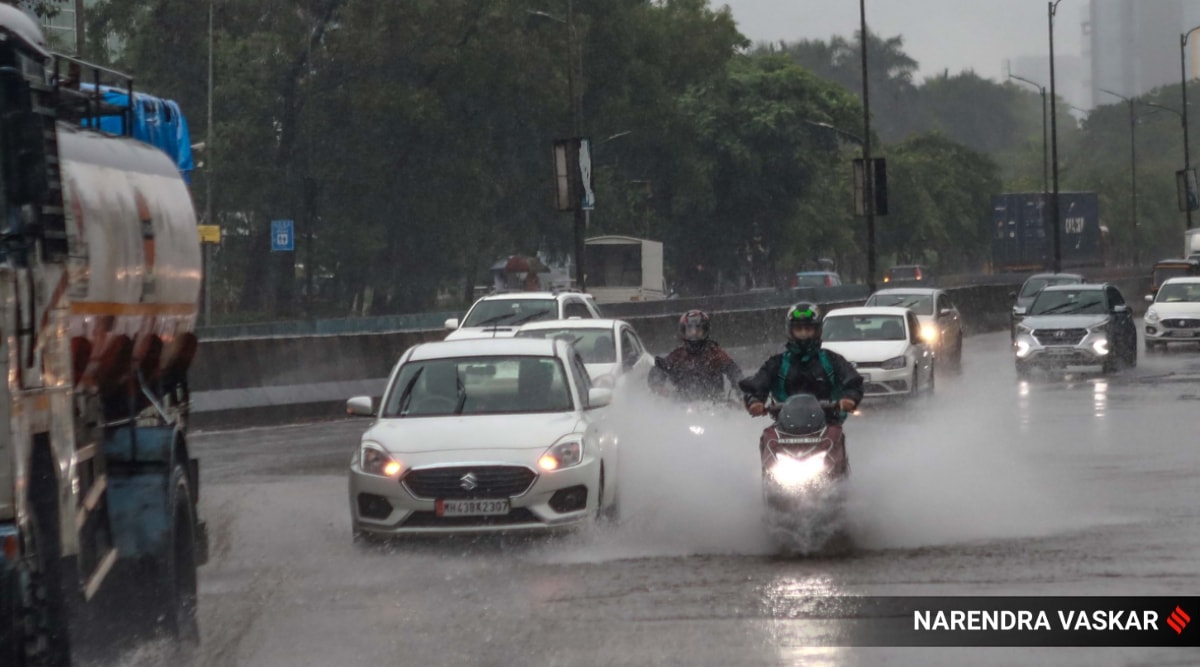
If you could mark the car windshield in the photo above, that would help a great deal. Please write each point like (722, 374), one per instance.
(863, 327)
(595, 346)
(478, 386)
(1179, 293)
(921, 304)
(1164, 273)
(903, 272)
(1033, 285)
(1069, 302)
(813, 279)
(511, 311)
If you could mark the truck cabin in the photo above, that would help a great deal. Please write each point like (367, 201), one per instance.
(1166, 269)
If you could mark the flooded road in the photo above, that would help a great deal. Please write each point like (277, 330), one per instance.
(1063, 485)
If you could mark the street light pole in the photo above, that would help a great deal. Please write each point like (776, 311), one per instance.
(1054, 212)
(868, 172)
(1045, 126)
(1132, 172)
(1187, 155)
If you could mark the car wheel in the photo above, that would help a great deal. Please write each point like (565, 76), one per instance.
(611, 513)
(932, 380)
(1151, 346)
(956, 360)
(1024, 370)
(1132, 357)
(1110, 364)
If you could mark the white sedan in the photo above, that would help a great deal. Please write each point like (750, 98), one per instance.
(483, 436)
(885, 345)
(611, 349)
(1174, 313)
(941, 323)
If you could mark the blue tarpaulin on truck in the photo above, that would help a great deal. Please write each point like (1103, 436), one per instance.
(156, 121)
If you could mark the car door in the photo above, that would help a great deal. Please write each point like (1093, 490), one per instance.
(1122, 327)
(922, 356)
(635, 362)
(951, 323)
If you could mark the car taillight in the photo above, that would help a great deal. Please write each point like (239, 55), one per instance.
(829, 281)
(795, 281)
(918, 274)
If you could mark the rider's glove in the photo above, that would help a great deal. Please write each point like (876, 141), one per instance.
(757, 409)
(847, 405)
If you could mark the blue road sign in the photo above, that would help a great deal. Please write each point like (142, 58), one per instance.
(283, 236)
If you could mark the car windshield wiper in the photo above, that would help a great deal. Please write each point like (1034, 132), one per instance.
(491, 320)
(1059, 308)
(406, 396)
(522, 320)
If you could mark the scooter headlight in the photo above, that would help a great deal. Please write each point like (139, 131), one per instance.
(791, 472)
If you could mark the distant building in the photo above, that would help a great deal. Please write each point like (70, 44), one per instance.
(1132, 46)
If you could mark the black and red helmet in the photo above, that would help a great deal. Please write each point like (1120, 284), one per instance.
(693, 326)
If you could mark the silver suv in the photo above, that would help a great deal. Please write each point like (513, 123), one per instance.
(1076, 325)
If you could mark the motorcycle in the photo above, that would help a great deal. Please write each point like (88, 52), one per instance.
(703, 411)
(804, 467)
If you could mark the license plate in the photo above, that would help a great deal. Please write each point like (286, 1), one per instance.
(472, 507)
(1060, 351)
(1181, 334)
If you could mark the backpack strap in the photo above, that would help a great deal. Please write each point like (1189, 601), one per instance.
(836, 392)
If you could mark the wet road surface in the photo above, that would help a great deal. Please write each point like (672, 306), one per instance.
(1071, 485)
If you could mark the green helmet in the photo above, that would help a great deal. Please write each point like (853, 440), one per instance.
(805, 312)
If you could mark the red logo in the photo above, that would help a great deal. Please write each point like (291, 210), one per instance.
(1178, 620)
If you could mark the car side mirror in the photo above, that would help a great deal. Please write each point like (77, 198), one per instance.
(599, 397)
(451, 324)
(1149, 298)
(946, 312)
(1012, 296)
(1019, 311)
(1121, 308)
(361, 406)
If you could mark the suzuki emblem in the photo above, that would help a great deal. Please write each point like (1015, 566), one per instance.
(468, 481)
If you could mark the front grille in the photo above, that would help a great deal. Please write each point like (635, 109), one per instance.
(1059, 336)
(431, 520)
(1179, 323)
(469, 482)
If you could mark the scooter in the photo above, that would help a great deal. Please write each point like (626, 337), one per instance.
(804, 467)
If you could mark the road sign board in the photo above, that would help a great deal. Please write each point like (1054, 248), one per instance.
(283, 236)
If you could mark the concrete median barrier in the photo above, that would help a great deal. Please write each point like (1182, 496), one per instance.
(266, 381)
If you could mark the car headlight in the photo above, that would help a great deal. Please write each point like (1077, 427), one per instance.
(895, 362)
(374, 460)
(1022, 349)
(1101, 346)
(1152, 316)
(930, 333)
(563, 454)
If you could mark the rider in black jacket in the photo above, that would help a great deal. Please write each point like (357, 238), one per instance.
(804, 368)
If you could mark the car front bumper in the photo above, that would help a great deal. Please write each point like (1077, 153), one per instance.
(387, 506)
(1160, 332)
(1093, 350)
(880, 383)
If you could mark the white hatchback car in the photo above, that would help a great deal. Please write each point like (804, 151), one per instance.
(941, 323)
(885, 345)
(483, 436)
(499, 315)
(1174, 313)
(611, 349)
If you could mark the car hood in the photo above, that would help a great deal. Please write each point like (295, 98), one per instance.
(1177, 309)
(1063, 321)
(471, 434)
(868, 351)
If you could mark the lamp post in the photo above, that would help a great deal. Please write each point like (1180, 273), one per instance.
(826, 126)
(1054, 213)
(1045, 126)
(1187, 155)
(573, 61)
(1132, 171)
(868, 172)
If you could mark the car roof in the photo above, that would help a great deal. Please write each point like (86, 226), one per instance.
(868, 310)
(816, 273)
(486, 347)
(1190, 262)
(928, 291)
(1077, 286)
(526, 295)
(1182, 279)
(580, 323)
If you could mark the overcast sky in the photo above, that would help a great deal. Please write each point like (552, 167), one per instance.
(938, 34)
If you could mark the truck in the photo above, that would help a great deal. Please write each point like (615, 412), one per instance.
(1191, 244)
(1023, 239)
(99, 281)
(623, 268)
